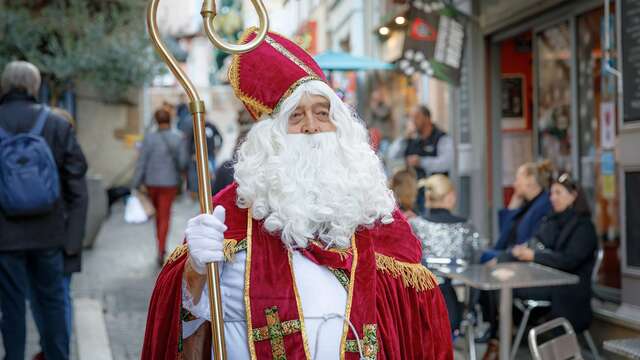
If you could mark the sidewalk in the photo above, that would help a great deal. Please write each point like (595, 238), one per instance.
(120, 272)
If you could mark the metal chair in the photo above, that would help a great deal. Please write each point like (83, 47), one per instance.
(527, 306)
(562, 347)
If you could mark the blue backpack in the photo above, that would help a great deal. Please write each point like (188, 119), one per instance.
(29, 181)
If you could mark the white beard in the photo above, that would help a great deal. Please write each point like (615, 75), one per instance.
(312, 189)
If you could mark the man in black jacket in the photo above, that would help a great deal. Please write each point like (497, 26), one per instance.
(32, 248)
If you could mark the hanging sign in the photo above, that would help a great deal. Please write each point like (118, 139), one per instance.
(434, 41)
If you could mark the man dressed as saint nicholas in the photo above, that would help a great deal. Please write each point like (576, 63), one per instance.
(316, 261)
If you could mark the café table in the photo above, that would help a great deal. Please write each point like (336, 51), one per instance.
(629, 348)
(506, 277)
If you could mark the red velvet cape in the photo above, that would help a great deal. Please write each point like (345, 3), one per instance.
(396, 293)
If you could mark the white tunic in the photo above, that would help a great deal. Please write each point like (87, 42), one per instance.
(321, 294)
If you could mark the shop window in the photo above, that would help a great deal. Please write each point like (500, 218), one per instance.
(553, 55)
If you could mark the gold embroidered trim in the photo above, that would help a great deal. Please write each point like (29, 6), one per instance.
(289, 55)
(341, 276)
(231, 247)
(369, 343)
(303, 330)
(177, 253)
(247, 277)
(347, 313)
(288, 327)
(290, 91)
(276, 331)
(255, 106)
(413, 275)
(344, 253)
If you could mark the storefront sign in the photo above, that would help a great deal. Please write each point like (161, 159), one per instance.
(607, 170)
(434, 41)
(607, 163)
(607, 125)
(630, 44)
(307, 38)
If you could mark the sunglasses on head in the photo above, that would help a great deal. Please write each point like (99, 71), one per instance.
(566, 181)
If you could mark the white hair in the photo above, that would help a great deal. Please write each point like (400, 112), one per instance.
(307, 187)
(20, 75)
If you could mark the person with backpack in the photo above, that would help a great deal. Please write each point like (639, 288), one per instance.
(72, 248)
(163, 158)
(42, 186)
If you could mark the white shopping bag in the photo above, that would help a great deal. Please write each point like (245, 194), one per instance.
(134, 212)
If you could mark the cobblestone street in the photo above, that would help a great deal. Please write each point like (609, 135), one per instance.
(120, 272)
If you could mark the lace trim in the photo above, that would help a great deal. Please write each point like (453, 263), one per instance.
(196, 311)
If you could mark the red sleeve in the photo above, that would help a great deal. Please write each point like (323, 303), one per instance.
(164, 326)
(163, 334)
(412, 315)
(413, 324)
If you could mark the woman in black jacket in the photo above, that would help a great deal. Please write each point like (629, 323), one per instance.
(566, 241)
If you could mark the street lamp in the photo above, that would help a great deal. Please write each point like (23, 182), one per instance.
(400, 20)
(384, 31)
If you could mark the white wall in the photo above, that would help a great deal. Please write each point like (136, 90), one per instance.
(107, 135)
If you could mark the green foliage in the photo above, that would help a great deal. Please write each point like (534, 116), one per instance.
(100, 42)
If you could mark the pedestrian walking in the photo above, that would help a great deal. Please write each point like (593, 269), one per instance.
(42, 191)
(162, 159)
(72, 247)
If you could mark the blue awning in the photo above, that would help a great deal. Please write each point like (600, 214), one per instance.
(341, 61)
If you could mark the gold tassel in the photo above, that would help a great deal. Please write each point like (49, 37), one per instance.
(413, 275)
(229, 249)
(177, 253)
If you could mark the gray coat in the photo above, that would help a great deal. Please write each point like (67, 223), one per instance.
(162, 158)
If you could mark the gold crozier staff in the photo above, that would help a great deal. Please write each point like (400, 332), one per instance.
(196, 106)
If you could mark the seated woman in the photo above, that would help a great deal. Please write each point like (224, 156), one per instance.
(528, 206)
(445, 235)
(405, 189)
(566, 241)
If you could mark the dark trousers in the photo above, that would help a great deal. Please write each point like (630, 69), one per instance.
(490, 301)
(42, 270)
(37, 311)
(162, 198)
(454, 306)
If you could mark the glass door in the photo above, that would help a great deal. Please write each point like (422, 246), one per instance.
(597, 109)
